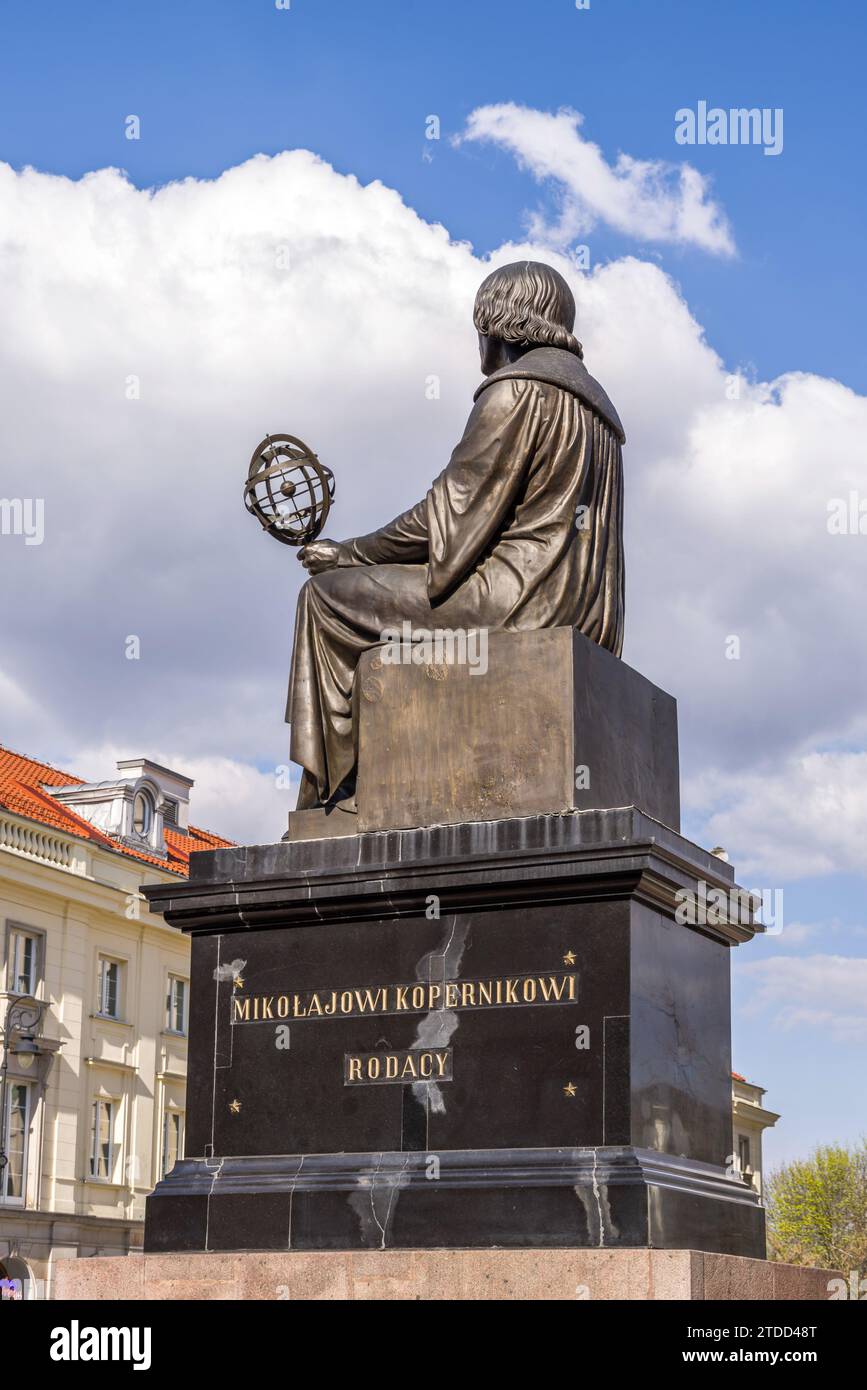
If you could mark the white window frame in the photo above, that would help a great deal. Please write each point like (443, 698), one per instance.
(170, 1005)
(11, 1085)
(145, 796)
(95, 1146)
(104, 963)
(180, 1117)
(17, 937)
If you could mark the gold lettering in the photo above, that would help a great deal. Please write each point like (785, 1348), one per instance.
(391, 1066)
(373, 1067)
(451, 994)
(409, 1066)
(442, 1058)
(551, 988)
(354, 1069)
(425, 1064)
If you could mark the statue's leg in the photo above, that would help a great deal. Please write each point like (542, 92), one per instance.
(341, 614)
(308, 792)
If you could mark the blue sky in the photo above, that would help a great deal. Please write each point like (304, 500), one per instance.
(214, 83)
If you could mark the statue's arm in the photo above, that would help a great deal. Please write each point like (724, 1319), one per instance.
(402, 542)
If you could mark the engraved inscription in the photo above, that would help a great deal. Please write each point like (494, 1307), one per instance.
(400, 1068)
(507, 992)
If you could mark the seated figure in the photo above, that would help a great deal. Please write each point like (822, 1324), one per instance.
(521, 530)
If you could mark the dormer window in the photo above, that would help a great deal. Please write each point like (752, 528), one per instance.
(143, 814)
(134, 809)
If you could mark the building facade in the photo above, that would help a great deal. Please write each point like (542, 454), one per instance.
(750, 1119)
(93, 1006)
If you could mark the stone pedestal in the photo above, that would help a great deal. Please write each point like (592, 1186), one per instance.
(478, 1275)
(536, 723)
(483, 1035)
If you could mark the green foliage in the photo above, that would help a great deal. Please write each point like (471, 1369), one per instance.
(817, 1209)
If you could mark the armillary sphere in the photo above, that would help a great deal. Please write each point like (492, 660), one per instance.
(288, 490)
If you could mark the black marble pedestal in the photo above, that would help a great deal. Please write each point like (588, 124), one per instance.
(496, 1034)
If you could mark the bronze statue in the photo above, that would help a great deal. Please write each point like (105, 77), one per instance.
(522, 529)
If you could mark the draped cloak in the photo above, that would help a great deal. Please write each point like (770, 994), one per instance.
(523, 529)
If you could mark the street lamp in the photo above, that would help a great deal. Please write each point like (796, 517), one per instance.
(23, 1013)
(26, 1049)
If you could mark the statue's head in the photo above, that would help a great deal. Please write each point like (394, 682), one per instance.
(523, 305)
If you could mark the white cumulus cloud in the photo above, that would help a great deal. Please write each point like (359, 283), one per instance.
(650, 200)
(810, 992)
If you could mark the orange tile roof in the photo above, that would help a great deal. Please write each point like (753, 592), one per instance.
(22, 781)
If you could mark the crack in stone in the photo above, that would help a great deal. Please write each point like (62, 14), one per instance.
(438, 1026)
(295, 1177)
(365, 1210)
(596, 1194)
(216, 1174)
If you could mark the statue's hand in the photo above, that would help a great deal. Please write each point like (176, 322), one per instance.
(323, 555)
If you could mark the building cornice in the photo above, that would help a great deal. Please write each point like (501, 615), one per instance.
(755, 1114)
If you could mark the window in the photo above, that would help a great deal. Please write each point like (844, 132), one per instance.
(744, 1158)
(101, 1146)
(176, 1005)
(142, 814)
(170, 812)
(108, 1003)
(13, 1179)
(173, 1140)
(22, 976)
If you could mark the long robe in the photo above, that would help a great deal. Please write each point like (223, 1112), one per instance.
(521, 530)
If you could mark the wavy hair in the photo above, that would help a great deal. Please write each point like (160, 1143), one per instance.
(528, 303)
